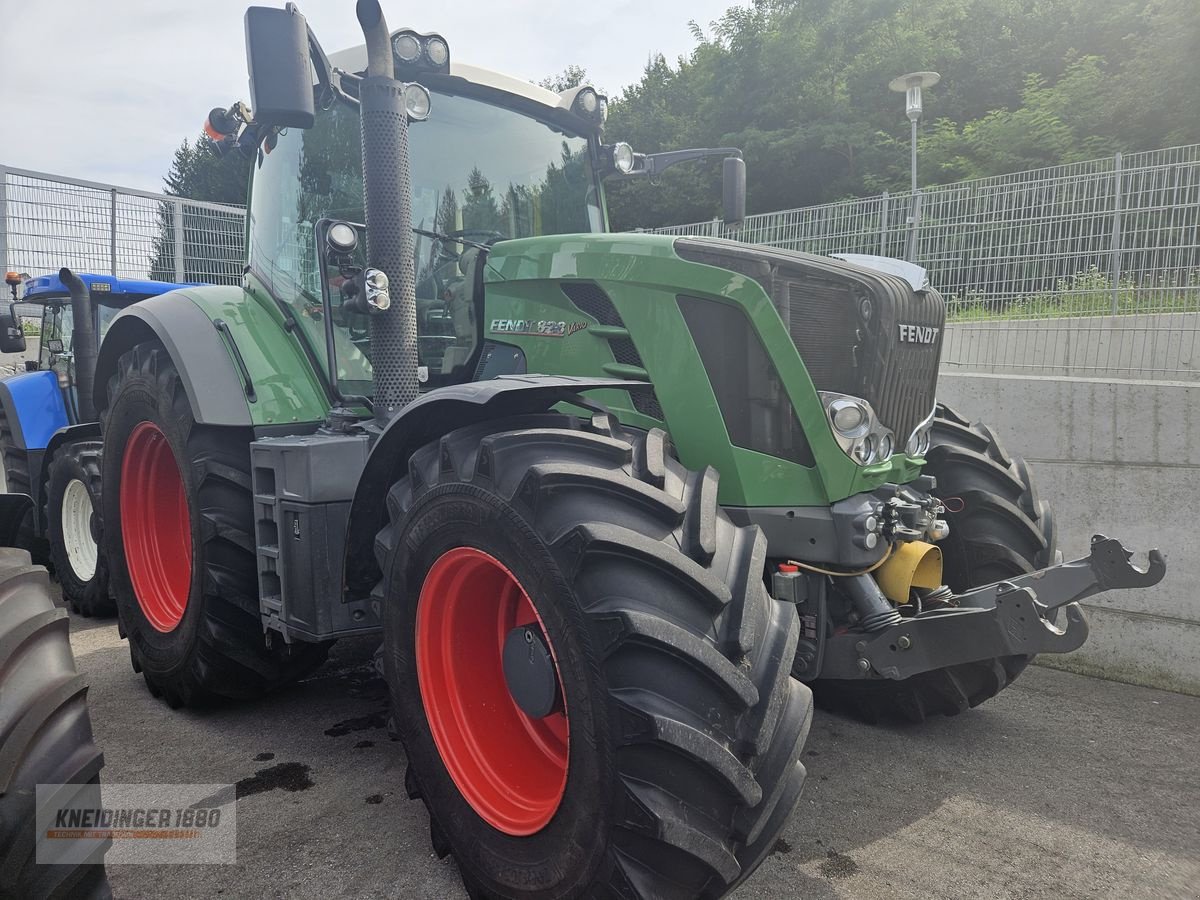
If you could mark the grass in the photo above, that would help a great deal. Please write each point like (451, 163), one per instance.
(1087, 293)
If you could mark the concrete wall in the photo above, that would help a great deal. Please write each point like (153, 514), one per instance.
(1164, 345)
(1120, 458)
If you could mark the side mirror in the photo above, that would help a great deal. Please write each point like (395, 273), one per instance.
(12, 338)
(277, 55)
(733, 190)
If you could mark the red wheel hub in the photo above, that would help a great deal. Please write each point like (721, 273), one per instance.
(511, 768)
(156, 527)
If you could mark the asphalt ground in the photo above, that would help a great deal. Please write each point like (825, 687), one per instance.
(1062, 787)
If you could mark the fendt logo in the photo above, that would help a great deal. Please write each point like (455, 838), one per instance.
(918, 334)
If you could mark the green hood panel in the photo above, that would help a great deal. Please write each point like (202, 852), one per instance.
(642, 277)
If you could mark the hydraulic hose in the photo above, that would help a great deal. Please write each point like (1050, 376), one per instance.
(83, 342)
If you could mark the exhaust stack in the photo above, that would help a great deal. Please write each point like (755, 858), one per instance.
(83, 342)
(387, 189)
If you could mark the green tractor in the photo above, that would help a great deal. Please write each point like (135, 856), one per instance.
(602, 494)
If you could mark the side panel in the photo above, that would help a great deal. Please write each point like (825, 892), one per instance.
(211, 361)
(33, 404)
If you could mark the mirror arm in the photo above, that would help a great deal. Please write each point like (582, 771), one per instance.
(654, 163)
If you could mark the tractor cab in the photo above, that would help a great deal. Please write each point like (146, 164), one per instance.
(109, 295)
(493, 158)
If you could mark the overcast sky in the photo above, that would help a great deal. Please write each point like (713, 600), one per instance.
(106, 89)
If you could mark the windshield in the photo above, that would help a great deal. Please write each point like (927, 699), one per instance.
(478, 171)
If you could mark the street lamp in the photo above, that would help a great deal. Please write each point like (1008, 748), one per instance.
(910, 86)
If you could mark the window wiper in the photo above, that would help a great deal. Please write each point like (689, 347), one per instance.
(451, 239)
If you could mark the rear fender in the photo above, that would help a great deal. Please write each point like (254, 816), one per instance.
(210, 379)
(428, 418)
(239, 362)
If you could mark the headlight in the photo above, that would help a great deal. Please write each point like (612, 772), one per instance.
(437, 51)
(918, 442)
(622, 157)
(416, 102)
(407, 46)
(886, 446)
(851, 417)
(857, 431)
(864, 450)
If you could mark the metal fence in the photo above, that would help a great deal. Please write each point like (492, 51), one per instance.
(1085, 269)
(48, 221)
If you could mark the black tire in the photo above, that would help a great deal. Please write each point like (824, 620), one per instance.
(674, 662)
(998, 529)
(86, 592)
(45, 733)
(217, 651)
(16, 480)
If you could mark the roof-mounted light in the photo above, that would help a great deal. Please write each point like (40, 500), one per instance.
(416, 52)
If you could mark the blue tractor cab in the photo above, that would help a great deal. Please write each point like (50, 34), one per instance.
(45, 398)
(47, 430)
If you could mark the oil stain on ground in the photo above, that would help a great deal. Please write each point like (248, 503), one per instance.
(837, 865)
(291, 776)
(263, 757)
(359, 723)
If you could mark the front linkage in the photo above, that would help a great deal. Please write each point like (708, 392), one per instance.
(1014, 617)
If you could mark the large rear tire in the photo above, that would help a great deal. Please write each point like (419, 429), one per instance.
(45, 733)
(14, 479)
(998, 529)
(73, 526)
(671, 761)
(180, 543)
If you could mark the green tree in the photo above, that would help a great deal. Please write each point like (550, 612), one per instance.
(801, 87)
(570, 77)
(212, 243)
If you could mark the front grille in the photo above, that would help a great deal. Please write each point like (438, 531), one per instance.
(823, 302)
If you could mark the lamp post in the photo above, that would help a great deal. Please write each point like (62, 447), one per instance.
(910, 86)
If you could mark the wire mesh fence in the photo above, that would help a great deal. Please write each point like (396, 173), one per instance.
(1085, 269)
(48, 221)
(1091, 268)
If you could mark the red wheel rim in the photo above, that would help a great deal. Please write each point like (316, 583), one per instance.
(511, 768)
(156, 528)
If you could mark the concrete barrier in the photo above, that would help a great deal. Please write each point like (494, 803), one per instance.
(1163, 345)
(1120, 458)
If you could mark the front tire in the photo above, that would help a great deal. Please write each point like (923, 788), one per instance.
(670, 762)
(73, 504)
(45, 733)
(180, 543)
(999, 529)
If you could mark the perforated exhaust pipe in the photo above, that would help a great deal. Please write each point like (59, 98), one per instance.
(83, 342)
(387, 191)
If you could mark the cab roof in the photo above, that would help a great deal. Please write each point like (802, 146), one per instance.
(106, 289)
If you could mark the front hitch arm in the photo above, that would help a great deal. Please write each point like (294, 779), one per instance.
(1107, 567)
(1014, 617)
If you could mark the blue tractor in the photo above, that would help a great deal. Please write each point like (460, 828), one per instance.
(49, 436)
